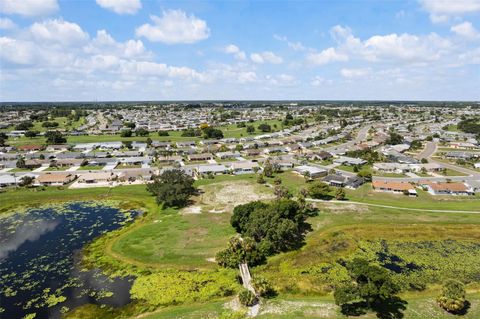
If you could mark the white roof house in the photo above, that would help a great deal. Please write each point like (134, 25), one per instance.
(312, 171)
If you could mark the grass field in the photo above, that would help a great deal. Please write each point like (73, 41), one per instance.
(366, 194)
(174, 136)
(293, 308)
(451, 172)
(63, 124)
(180, 241)
(189, 238)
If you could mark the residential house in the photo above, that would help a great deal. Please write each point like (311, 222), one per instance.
(442, 188)
(244, 167)
(200, 157)
(310, 171)
(55, 178)
(394, 187)
(339, 180)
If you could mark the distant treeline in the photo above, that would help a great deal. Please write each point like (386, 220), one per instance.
(5, 106)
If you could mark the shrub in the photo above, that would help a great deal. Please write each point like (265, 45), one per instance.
(247, 298)
(174, 287)
(452, 298)
(262, 287)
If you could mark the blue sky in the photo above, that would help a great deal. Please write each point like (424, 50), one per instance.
(85, 50)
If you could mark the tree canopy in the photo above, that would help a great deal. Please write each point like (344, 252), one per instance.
(370, 284)
(276, 227)
(172, 188)
(55, 137)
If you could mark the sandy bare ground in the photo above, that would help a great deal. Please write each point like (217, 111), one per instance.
(316, 310)
(223, 197)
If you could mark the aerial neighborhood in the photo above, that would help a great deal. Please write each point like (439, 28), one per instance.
(421, 148)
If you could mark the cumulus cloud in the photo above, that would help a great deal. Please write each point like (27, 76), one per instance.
(104, 43)
(121, 6)
(326, 56)
(266, 57)
(354, 73)
(58, 31)
(441, 10)
(16, 51)
(466, 30)
(404, 47)
(451, 7)
(6, 24)
(28, 8)
(237, 53)
(281, 79)
(174, 26)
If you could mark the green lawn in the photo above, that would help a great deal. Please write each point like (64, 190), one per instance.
(366, 194)
(451, 172)
(56, 169)
(174, 136)
(389, 174)
(178, 241)
(90, 168)
(350, 168)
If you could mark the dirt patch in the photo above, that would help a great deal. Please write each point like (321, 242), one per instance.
(314, 309)
(223, 197)
(194, 209)
(342, 208)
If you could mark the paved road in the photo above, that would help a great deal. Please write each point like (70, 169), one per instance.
(459, 169)
(430, 148)
(361, 136)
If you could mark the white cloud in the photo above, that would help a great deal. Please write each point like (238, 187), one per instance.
(174, 26)
(104, 43)
(466, 30)
(354, 73)
(295, 46)
(17, 51)
(58, 31)
(266, 57)
(6, 24)
(28, 8)
(121, 6)
(281, 79)
(471, 57)
(233, 49)
(441, 10)
(451, 7)
(405, 47)
(391, 47)
(326, 56)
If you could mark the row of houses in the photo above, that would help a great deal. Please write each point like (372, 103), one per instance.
(434, 188)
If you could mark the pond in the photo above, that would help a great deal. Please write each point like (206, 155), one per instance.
(39, 257)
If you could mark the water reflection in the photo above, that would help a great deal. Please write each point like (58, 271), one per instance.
(38, 256)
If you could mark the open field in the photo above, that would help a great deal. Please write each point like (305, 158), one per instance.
(174, 136)
(292, 308)
(63, 124)
(188, 239)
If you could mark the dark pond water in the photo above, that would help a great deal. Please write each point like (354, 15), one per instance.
(39, 260)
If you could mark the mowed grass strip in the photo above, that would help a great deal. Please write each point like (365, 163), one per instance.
(179, 241)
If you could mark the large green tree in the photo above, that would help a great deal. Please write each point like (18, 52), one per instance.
(55, 137)
(172, 188)
(276, 227)
(369, 284)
